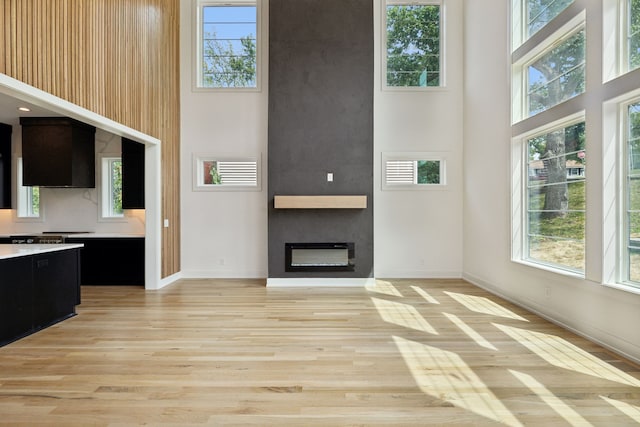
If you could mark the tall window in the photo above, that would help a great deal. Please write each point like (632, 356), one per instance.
(632, 195)
(413, 44)
(555, 197)
(111, 187)
(556, 75)
(28, 198)
(228, 44)
(633, 33)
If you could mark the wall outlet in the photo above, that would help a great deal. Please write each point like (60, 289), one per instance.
(330, 177)
(166, 223)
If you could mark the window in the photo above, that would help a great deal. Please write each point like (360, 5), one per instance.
(632, 196)
(28, 198)
(556, 75)
(413, 44)
(412, 171)
(555, 197)
(111, 187)
(227, 44)
(541, 12)
(212, 173)
(633, 33)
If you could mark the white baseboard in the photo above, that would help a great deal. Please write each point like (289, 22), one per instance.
(223, 274)
(608, 341)
(305, 282)
(418, 274)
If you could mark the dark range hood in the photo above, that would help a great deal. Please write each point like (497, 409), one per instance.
(57, 152)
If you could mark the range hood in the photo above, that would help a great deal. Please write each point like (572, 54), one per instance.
(57, 152)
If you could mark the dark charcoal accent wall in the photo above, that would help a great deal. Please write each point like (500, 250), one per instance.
(321, 120)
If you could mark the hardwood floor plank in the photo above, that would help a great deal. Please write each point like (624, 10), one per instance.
(234, 353)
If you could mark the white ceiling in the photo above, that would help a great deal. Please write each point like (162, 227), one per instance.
(10, 115)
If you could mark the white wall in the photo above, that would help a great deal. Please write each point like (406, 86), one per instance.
(601, 313)
(419, 233)
(73, 209)
(224, 233)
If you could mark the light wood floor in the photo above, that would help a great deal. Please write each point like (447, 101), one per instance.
(232, 353)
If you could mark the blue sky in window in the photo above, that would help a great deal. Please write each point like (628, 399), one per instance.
(230, 22)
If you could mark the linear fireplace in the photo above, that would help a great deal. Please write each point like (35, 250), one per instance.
(319, 256)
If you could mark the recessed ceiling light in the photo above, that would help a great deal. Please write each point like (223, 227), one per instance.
(25, 109)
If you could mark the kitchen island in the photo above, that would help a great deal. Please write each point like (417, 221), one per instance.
(39, 286)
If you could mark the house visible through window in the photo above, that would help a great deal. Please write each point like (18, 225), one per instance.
(556, 197)
(413, 44)
(228, 45)
(111, 187)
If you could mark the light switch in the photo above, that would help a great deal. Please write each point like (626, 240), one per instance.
(166, 223)
(330, 177)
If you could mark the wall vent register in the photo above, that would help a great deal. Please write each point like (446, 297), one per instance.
(319, 256)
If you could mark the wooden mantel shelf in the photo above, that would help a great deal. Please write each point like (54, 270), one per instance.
(320, 202)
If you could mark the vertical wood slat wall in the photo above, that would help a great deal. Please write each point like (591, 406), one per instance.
(117, 58)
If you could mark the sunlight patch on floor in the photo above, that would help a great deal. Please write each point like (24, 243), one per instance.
(629, 410)
(563, 354)
(484, 305)
(470, 332)
(424, 294)
(403, 314)
(444, 375)
(384, 287)
(555, 403)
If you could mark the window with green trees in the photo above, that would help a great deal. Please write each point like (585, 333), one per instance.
(633, 33)
(632, 195)
(556, 169)
(112, 187)
(557, 75)
(540, 12)
(228, 45)
(413, 44)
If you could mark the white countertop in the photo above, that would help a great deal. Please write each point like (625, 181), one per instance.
(14, 251)
(81, 235)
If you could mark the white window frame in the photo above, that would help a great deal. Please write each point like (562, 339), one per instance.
(520, 80)
(520, 24)
(105, 195)
(443, 74)
(414, 157)
(198, 173)
(24, 208)
(197, 45)
(623, 276)
(519, 195)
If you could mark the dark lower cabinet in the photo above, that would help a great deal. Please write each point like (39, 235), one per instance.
(37, 291)
(112, 261)
(16, 298)
(55, 286)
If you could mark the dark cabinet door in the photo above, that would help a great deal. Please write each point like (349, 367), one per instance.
(5, 166)
(132, 174)
(111, 261)
(55, 286)
(16, 294)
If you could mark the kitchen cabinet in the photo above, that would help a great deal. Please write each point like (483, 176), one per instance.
(5, 166)
(57, 152)
(111, 260)
(16, 293)
(132, 174)
(37, 291)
